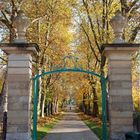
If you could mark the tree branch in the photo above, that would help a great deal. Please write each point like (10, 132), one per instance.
(134, 33)
(124, 7)
(133, 4)
(98, 23)
(3, 21)
(91, 25)
(132, 10)
(6, 19)
(90, 44)
(3, 59)
(39, 18)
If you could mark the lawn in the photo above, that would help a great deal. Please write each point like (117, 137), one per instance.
(95, 124)
(97, 129)
(46, 124)
(43, 131)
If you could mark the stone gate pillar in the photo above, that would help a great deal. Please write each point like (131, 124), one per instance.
(119, 56)
(120, 89)
(19, 81)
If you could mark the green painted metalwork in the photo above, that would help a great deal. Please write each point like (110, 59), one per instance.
(104, 115)
(35, 109)
(64, 69)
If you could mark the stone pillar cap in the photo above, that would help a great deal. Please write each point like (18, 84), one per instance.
(121, 45)
(120, 48)
(8, 48)
(17, 48)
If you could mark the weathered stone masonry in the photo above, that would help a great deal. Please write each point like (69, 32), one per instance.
(120, 88)
(19, 90)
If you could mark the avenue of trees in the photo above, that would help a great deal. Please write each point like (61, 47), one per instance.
(71, 27)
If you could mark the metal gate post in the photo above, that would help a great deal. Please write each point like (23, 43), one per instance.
(104, 125)
(35, 109)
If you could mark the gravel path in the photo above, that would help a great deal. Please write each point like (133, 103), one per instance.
(71, 128)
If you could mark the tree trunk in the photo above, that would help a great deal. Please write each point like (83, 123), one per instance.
(43, 97)
(49, 108)
(63, 103)
(88, 106)
(95, 112)
(84, 104)
(56, 105)
(52, 108)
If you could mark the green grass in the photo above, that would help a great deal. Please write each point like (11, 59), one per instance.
(93, 123)
(95, 128)
(43, 131)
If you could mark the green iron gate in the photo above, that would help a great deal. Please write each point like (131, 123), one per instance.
(63, 70)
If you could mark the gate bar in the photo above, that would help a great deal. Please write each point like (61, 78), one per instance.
(104, 118)
(35, 109)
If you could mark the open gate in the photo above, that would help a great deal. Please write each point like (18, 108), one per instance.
(64, 69)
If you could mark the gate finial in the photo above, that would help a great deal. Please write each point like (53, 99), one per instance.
(21, 23)
(118, 23)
